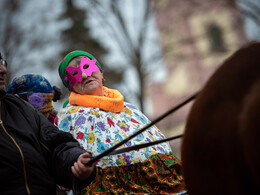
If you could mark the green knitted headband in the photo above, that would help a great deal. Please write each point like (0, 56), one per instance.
(64, 64)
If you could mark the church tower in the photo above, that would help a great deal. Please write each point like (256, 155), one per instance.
(196, 37)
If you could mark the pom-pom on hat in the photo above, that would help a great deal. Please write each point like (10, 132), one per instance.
(64, 64)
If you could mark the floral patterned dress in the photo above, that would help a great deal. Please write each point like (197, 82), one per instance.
(150, 170)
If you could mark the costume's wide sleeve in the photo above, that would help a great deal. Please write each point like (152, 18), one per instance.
(61, 151)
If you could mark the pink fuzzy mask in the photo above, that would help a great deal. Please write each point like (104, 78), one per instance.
(74, 73)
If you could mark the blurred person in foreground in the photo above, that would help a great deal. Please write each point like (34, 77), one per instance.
(99, 118)
(38, 91)
(34, 154)
(220, 150)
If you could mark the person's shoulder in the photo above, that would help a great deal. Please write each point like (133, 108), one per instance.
(15, 99)
(62, 111)
(21, 101)
(70, 109)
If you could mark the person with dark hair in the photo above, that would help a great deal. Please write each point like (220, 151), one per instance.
(98, 117)
(38, 91)
(35, 155)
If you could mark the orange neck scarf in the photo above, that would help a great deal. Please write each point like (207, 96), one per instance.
(112, 101)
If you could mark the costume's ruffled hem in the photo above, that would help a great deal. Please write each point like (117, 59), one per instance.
(159, 174)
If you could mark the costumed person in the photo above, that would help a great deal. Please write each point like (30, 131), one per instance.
(38, 91)
(34, 154)
(220, 150)
(99, 118)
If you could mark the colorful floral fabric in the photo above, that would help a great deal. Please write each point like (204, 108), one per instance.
(150, 170)
(97, 130)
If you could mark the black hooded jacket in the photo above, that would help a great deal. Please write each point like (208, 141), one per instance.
(34, 154)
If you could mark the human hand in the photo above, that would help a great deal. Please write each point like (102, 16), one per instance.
(81, 171)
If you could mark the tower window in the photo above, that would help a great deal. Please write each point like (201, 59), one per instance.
(215, 35)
